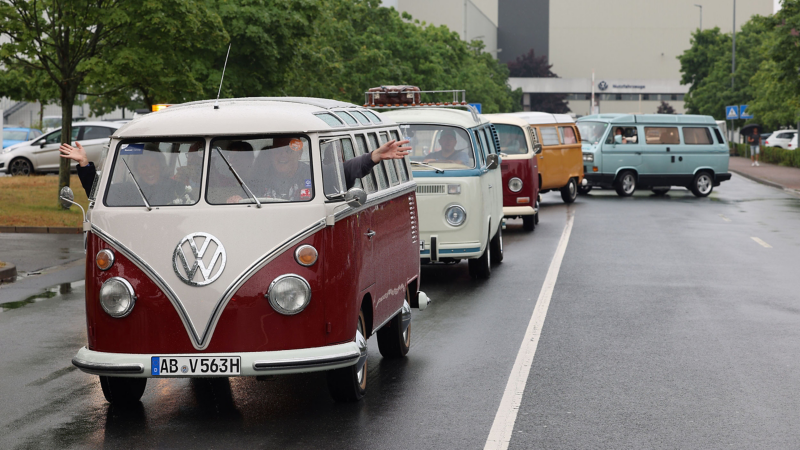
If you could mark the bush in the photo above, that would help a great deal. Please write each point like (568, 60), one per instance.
(772, 155)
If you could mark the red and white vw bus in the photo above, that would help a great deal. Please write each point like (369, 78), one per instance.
(519, 146)
(224, 242)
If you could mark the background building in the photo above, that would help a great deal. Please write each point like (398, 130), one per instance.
(632, 45)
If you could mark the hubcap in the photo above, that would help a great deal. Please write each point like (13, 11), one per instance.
(405, 335)
(360, 373)
(627, 183)
(489, 254)
(573, 190)
(704, 184)
(19, 167)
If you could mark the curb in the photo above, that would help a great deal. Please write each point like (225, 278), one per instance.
(8, 273)
(760, 180)
(47, 230)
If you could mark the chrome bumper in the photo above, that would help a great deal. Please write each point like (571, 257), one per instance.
(253, 363)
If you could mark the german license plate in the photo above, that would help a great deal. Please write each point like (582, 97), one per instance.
(195, 365)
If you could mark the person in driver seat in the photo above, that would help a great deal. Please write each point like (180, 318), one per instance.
(447, 151)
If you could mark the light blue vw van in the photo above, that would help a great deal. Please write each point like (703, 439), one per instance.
(652, 151)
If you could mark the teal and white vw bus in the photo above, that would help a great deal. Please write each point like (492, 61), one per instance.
(459, 191)
(653, 151)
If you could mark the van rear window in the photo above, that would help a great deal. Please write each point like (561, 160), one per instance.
(661, 135)
(696, 136)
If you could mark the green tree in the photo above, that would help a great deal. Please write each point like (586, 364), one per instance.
(21, 83)
(66, 40)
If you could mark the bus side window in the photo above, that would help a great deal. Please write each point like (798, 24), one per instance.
(389, 164)
(380, 172)
(484, 150)
(349, 153)
(400, 163)
(369, 179)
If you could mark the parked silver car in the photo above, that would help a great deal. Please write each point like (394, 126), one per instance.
(42, 155)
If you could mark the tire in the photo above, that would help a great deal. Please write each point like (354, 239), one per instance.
(122, 391)
(536, 221)
(529, 223)
(626, 184)
(481, 268)
(570, 192)
(583, 190)
(497, 246)
(660, 191)
(349, 384)
(20, 166)
(393, 341)
(702, 184)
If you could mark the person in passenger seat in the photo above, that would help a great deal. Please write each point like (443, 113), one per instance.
(448, 152)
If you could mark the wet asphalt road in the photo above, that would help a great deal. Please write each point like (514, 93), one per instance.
(669, 327)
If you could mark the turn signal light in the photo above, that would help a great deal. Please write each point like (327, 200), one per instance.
(104, 259)
(306, 255)
(523, 200)
(595, 169)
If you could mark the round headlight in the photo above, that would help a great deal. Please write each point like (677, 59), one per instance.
(455, 215)
(289, 294)
(515, 184)
(117, 297)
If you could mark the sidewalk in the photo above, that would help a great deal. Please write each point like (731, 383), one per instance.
(770, 174)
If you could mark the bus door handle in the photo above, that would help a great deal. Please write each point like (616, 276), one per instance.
(667, 148)
(369, 234)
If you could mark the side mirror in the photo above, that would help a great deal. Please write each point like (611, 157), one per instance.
(355, 197)
(537, 148)
(492, 161)
(67, 197)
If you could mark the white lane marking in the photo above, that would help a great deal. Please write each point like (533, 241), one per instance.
(724, 218)
(503, 426)
(760, 242)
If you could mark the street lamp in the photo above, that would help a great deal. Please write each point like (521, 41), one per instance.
(701, 15)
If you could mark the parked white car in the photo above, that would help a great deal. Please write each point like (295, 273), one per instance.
(793, 143)
(42, 155)
(455, 158)
(781, 139)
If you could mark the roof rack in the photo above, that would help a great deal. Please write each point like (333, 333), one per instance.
(369, 101)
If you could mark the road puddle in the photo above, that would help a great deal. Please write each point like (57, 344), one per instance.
(47, 294)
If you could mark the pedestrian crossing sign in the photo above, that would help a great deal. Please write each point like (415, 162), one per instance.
(731, 112)
(743, 114)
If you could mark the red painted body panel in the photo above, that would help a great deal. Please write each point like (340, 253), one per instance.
(527, 171)
(339, 280)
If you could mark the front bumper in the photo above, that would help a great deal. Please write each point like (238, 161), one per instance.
(253, 363)
(512, 211)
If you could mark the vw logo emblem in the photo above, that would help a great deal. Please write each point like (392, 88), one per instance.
(180, 260)
(602, 85)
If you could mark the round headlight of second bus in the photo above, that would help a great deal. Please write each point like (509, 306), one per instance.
(117, 297)
(455, 215)
(515, 184)
(289, 294)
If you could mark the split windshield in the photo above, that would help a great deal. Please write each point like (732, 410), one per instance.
(165, 173)
(272, 169)
(592, 132)
(442, 146)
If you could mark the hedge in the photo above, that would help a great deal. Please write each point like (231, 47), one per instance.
(773, 155)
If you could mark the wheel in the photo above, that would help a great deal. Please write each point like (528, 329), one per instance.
(481, 268)
(349, 384)
(529, 223)
(660, 191)
(122, 391)
(583, 190)
(20, 166)
(570, 192)
(497, 246)
(536, 221)
(393, 340)
(702, 185)
(626, 184)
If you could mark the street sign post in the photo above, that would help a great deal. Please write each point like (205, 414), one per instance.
(731, 112)
(743, 114)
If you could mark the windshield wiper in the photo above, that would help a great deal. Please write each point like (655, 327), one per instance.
(144, 199)
(238, 178)
(417, 163)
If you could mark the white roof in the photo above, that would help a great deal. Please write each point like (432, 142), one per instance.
(242, 116)
(507, 119)
(541, 118)
(444, 116)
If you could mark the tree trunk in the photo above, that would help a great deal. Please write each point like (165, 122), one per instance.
(67, 101)
(41, 114)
